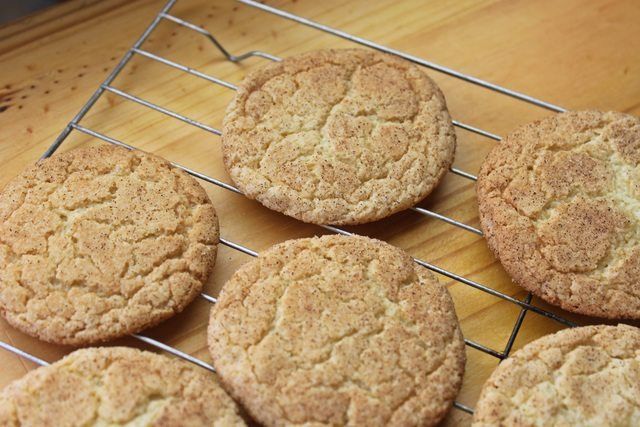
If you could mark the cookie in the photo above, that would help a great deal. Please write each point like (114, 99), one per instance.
(338, 136)
(559, 203)
(98, 243)
(337, 331)
(584, 376)
(117, 386)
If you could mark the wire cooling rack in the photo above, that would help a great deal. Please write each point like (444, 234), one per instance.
(164, 15)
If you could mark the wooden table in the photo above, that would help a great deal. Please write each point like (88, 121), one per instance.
(578, 54)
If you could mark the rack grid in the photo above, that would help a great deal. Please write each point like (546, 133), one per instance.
(164, 15)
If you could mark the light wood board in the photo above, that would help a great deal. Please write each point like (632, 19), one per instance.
(578, 54)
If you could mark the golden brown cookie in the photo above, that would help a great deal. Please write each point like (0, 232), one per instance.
(117, 386)
(97, 243)
(587, 376)
(560, 207)
(337, 331)
(338, 136)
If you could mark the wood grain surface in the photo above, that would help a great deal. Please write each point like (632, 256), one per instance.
(575, 53)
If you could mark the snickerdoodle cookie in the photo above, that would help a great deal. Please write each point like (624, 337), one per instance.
(560, 207)
(117, 386)
(587, 376)
(337, 331)
(101, 242)
(338, 136)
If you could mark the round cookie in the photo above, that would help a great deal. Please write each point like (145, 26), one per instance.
(338, 136)
(98, 243)
(117, 386)
(584, 376)
(337, 331)
(559, 203)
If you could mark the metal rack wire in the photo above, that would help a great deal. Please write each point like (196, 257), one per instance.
(164, 15)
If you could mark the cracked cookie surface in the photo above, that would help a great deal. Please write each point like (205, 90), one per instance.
(585, 376)
(117, 386)
(559, 203)
(338, 136)
(337, 331)
(101, 242)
